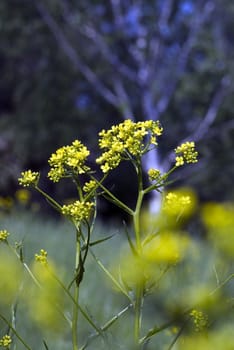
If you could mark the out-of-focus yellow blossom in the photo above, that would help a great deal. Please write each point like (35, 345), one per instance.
(5, 341)
(132, 270)
(6, 202)
(219, 220)
(154, 174)
(219, 339)
(126, 140)
(68, 161)
(167, 247)
(3, 235)
(42, 257)
(78, 210)
(89, 186)
(186, 153)
(23, 196)
(179, 203)
(29, 178)
(45, 303)
(11, 276)
(200, 320)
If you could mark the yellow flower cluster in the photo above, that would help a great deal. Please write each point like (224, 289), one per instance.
(89, 186)
(5, 341)
(3, 235)
(126, 140)
(154, 174)
(29, 178)
(78, 210)
(68, 160)
(168, 247)
(176, 203)
(42, 257)
(219, 222)
(186, 153)
(200, 320)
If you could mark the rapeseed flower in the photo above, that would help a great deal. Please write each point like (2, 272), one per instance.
(11, 275)
(126, 140)
(179, 204)
(167, 247)
(186, 153)
(45, 304)
(3, 235)
(78, 211)
(29, 178)
(200, 320)
(23, 196)
(89, 186)
(42, 257)
(5, 341)
(219, 221)
(68, 161)
(154, 174)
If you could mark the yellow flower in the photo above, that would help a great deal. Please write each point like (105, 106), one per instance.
(89, 186)
(186, 153)
(219, 221)
(154, 174)
(3, 235)
(5, 341)
(168, 247)
(179, 204)
(78, 210)
(200, 320)
(179, 161)
(29, 178)
(68, 161)
(126, 141)
(42, 257)
(23, 196)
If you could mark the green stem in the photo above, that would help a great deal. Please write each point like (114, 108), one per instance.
(113, 198)
(140, 285)
(50, 199)
(76, 296)
(136, 220)
(107, 325)
(138, 314)
(115, 282)
(86, 316)
(15, 332)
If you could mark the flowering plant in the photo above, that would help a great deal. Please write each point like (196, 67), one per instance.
(155, 245)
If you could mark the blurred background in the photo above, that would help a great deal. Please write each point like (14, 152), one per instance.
(71, 68)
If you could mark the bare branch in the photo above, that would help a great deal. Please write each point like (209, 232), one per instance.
(117, 13)
(71, 53)
(169, 88)
(165, 14)
(203, 128)
(124, 103)
(98, 40)
(213, 110)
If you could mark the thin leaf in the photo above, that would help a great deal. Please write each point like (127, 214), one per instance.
(98, 241)
(46, 346)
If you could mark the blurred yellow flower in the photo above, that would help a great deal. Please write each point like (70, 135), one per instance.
(166, 247)
(219, 221)
(23, 196)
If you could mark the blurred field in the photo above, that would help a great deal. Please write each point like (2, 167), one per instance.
(202, 268)
(57, 237)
